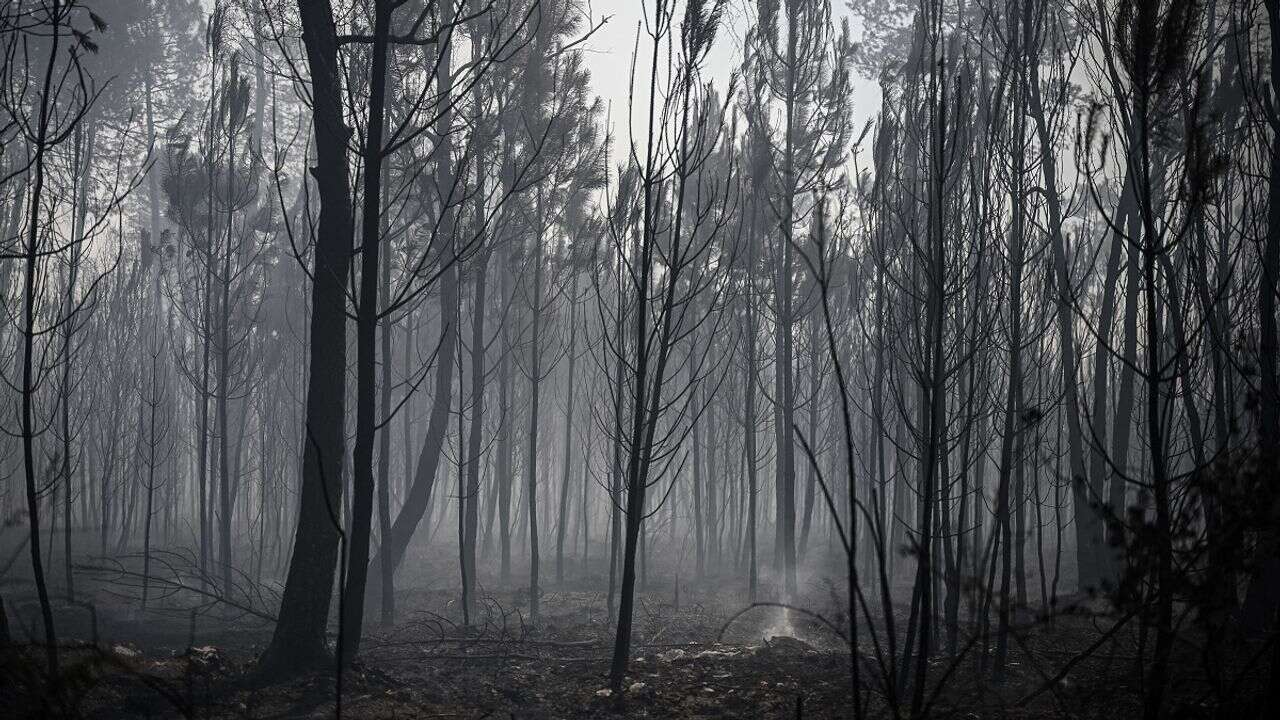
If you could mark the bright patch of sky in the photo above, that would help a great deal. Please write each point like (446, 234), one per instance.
(609, 55)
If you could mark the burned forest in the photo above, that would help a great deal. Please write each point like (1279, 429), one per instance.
(540, 359)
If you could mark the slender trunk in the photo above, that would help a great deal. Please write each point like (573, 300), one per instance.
(615, 468)
(471, 492)
(535, 383)
(645, 399)
(31, 269)
(568, 429)
(406, 426)
(153, 403)
(815, 394)
(387, 570)
(785, 477)
(362, 482)
(749, 424)
(82, 163)
(584, 527)
(934, 387)
(1157, 677)
(418, 498)
(696, 439)
(206, 329)
(420, 492)
(224, 379)
(711, 479)
(1085, 489)
(202, 426)
(504, 469)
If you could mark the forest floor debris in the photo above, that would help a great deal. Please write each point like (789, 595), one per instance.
(685, 664)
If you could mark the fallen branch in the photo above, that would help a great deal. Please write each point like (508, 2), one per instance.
(173, 585)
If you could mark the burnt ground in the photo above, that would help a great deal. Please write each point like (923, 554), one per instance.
(688, 661)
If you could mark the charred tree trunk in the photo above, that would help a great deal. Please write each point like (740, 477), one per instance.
(535, 383)
(561, 525)
(299, 639)
(362, 485)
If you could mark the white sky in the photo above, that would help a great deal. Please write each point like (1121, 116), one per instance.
(609, 52)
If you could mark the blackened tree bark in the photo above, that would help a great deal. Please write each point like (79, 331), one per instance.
(418, 499)
(31, 262)
(299, 638)
(444, 179)
(471, 489)
(362, 485)
(633, 481)
(504, 463)
(535, 384)
(563, 520)
(83, 163)
(1010, 455)
(387, 570)
(668, 301)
